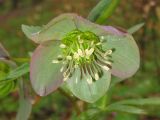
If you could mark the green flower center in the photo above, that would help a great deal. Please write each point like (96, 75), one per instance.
(83, 50)
(80, 46)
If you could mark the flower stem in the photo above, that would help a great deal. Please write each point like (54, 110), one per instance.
(20, 59)
(71, 99)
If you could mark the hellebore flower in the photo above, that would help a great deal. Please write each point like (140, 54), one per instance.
(82, 53)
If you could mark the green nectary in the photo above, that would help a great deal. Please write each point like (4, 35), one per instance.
(75, 34)
(80, 46)
(83, 50)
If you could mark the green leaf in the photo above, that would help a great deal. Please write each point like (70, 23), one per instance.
(103, 10)
(128, 105)
(6, 88)
(143, 101)
(90, 114)
(126, 58)
(4, 67)
(135, 28)
(57, 28)
(85, 91)
(14, 74)
(46, 76)
(7, 82)
(125, 108)
(25, 105)
(19, 71)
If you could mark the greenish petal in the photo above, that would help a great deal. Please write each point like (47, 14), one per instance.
(126, 58)
(46, 76)
(85, 91)
(57, 28)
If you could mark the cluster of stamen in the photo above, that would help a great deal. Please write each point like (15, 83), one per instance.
(84, 50)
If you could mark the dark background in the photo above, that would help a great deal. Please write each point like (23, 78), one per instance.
(145, 83)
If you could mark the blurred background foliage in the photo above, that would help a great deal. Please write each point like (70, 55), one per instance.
(145, 83)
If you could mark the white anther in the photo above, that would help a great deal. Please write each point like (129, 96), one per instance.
(76, 80)
(99, 43)
(59, 56)
(55, 61)
(64, 74)
(109, 63)
(76, 56)
(79, 39)
(62, 46)
(102, 37)
(86, 51)
(108, 52)
(69, 57)
(76, 66)
(64, 62)
(92, 43)
(105, 68)
(65, 78)
(89, 52)
(96, 76)
(62, 68)
(89, 80)
(80, 53)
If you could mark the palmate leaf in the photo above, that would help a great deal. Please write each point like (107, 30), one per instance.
(46, 76)
(88, 92)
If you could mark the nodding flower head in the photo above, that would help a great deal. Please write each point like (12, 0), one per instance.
(83, 50)
(82, 53)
